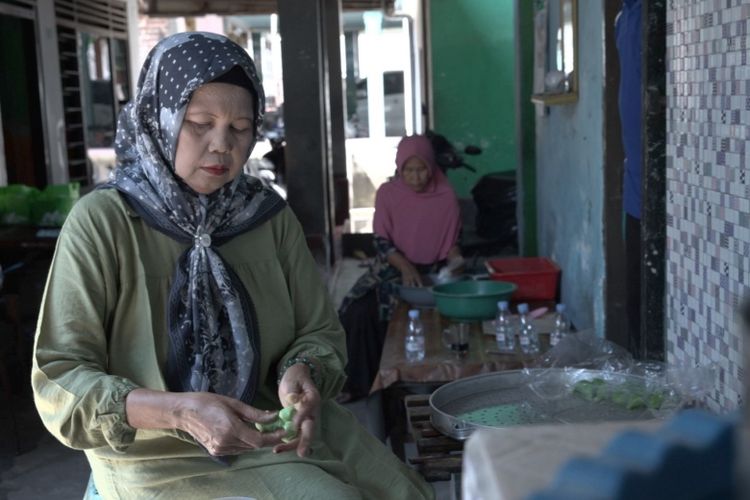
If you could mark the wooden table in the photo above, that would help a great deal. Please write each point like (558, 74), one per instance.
(398, 377)
(440, 364)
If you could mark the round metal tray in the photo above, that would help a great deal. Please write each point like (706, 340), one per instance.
(536, 396)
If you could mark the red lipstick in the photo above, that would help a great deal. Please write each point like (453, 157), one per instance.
(215, 169)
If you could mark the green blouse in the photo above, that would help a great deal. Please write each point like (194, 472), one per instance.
(102, 332)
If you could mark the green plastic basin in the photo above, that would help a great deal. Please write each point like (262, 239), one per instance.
(471, 300)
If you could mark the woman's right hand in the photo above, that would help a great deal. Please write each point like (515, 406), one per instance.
(223, 425)
(410, 275)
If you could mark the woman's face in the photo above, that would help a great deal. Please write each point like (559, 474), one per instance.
(416, 174)
(215, 137)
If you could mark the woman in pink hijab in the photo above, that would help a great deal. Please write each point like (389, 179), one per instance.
(417, 217)
(417, 223)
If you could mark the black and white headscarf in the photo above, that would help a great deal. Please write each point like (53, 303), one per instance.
(213, 330)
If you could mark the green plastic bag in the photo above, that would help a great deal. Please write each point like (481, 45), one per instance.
(53, 204)
(16, 202)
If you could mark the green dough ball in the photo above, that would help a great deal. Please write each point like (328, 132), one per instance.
(599, 393)
(291, 432)
(269, 427)
(287, 414)
(655, 400)
(620, 397)
(635, 403)
(585, 389)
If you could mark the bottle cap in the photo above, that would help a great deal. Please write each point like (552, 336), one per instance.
(414, 313)
(560, 308)
(523, 308)
(502, 305)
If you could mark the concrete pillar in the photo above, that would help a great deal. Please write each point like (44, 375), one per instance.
(52, 101)
(307, 29)
(336, 92)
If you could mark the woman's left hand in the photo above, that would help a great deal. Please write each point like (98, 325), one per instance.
(297, 388)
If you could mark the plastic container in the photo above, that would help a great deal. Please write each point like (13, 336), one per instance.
(536, 277)
(16, 202)
(53, 204)
(421, 296)
(471, 300)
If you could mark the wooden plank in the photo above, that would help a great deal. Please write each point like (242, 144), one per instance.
(433, 476)
(419, 413)
(444, 464)
(428, 432)
(438, 444)
(415, 400)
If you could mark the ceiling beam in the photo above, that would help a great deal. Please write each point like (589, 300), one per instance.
(177, 8)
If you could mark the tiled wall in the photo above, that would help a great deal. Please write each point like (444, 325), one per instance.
(708, 190)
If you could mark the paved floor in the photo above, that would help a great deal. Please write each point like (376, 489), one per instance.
(34, 465)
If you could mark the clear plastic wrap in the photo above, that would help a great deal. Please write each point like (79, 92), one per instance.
(606, 375)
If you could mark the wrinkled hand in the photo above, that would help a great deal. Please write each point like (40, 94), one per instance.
(297, 388)
(410, 276)
(223, 425)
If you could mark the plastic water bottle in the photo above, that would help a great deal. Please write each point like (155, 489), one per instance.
(526, 335)
(561, 325)
(414, 341)
(504, 335)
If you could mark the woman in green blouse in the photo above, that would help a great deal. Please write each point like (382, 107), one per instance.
(183, 307)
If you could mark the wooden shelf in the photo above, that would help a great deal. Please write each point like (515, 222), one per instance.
(555, 99)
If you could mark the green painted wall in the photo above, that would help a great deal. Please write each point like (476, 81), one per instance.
(473, 78)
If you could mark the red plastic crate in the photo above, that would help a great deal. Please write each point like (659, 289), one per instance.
(536, 277)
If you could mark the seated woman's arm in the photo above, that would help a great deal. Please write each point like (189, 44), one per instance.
(454, 253)
(320, 344)
(388, 252)
(78, 401)
(218, 423)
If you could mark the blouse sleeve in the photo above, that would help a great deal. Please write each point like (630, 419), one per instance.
(383, 247)
(79, 403)
(318, 333)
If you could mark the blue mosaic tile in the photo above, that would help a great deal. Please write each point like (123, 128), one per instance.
(708, 198)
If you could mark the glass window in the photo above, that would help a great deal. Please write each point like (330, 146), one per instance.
(97, 90)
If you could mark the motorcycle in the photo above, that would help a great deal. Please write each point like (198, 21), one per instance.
(447, 156)
(270, 169)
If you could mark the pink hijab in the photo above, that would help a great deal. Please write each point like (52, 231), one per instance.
(423, 226)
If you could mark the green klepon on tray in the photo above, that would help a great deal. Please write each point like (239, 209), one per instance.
(628, 396)
(497, 416)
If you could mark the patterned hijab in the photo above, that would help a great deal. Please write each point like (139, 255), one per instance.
(213, 329)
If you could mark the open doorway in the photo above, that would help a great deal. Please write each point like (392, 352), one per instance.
(380, 69)
(20, 105)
